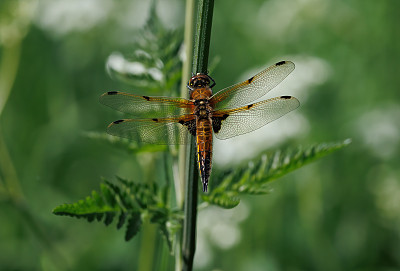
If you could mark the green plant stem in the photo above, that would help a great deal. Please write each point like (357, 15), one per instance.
(200, 62)
(202, 36)
(188, 42)
(190, 211)
(8, 71)
(147, 247)
(183, 150)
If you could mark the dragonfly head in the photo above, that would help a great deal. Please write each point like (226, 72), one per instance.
(200, 80)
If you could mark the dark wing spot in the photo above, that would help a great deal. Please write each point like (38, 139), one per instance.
(190, 125)
(250, 79)
(286, 97)
(112, 92)
(146, 97)
(217, 122)
(118, 121)
(155, 120)
(250, 106)
(280, 63)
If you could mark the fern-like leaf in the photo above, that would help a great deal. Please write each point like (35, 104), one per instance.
(129, 202)
(133, 227)
(254, 176)
(223, 199)
(94, 206)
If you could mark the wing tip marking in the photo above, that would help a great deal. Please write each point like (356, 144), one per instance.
(118, 121)
(287, 63)
(286, 97)
(112, 92)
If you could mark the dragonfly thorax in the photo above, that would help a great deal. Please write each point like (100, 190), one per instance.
(201, 102)
(203, 109)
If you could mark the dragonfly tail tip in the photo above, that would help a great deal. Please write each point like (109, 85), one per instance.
(205, 185)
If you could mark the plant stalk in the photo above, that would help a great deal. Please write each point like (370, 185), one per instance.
(186, 70)
(183, 149)
(200, 62)
(202, 36)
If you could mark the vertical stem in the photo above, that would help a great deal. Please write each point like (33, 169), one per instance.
(188, 44)
(200, 62)
(190, 211)
(183, 150)
(8, 71)
(203, 35)
(147, 247)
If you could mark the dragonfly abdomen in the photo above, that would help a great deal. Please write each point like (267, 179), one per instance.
(204, 138)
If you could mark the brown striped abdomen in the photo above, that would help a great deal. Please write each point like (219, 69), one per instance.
(204, 138)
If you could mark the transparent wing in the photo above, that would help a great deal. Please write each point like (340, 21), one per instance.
(253, 88)
(145, 106)
(252, 117)
(152, 131)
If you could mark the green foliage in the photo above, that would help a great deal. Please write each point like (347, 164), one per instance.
(55, 74)
(153, 63)
(132, 203)
(254, 177)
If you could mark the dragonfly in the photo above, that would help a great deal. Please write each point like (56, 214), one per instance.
(227, 113)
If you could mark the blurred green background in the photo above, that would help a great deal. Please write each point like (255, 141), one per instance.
(340, 213)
